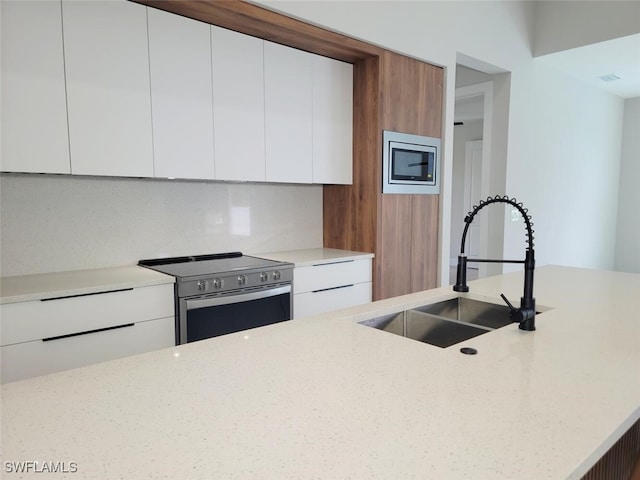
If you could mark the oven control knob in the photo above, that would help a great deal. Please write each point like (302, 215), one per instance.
(276, 275)
(264, 276)
(242, 279)
(218, 283)
(203, 285)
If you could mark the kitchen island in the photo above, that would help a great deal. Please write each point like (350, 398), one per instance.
(325, 397)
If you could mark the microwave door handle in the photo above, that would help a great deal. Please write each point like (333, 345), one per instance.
(245, 297)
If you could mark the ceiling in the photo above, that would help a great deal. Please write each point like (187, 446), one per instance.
(620, 57)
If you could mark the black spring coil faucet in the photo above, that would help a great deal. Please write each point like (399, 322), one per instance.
(526, 314)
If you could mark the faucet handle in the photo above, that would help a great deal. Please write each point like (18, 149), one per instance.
(524, 316)
(514, 313)
(506, 300)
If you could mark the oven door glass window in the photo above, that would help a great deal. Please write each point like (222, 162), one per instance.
(212, 317)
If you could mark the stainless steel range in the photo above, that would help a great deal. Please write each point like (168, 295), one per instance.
(224, 293)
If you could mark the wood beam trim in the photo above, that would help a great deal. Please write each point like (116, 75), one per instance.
(250, 19)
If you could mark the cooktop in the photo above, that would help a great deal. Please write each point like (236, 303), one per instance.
(210, 264)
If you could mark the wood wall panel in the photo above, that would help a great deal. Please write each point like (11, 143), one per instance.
(425, 213)
(411, 97)
(350, 212)
(391, 92)
(411, 102)
(395, 259)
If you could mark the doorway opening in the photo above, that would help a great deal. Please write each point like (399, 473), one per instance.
(479, 162)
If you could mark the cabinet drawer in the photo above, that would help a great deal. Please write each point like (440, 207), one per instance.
(312, 303)
(330, 275)
(31, 359)
(26, 321)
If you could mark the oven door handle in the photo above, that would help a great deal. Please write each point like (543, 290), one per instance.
(194, 303)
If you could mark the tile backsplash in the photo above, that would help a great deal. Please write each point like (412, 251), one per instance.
(59, 222)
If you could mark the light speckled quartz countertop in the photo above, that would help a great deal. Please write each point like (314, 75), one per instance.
(326, 398)
(314, 256)
(24, 288)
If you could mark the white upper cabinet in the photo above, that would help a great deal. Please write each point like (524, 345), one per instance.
(238, 105)
(108, 95)
(288, 113)
(181, 97)
(113, 88)
(332, 121)
(34, 111)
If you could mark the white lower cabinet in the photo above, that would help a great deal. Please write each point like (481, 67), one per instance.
(330, 286)
(46, 336)
(41, 357)
(312, 303)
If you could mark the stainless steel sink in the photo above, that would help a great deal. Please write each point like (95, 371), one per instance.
(426, 328)
(436, 331)
(444, 323)
(470, 311)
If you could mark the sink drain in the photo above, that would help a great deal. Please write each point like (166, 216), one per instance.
(468, 350)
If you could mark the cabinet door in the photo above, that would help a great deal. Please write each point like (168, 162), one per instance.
(331, 275)
(238, 105)
(27, 321)
(313, 303)
(34, 110)
(107, 68)
(38, 357)
(181, 97)
(332, 121)
(288, 113)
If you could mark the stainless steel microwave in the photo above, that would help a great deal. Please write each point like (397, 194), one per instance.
(411, 163)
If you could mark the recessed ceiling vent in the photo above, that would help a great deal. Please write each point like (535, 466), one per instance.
(609, 78)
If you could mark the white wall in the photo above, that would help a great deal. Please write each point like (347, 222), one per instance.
(569, 179)
(54, 222)
(468, 76)
(628, 227)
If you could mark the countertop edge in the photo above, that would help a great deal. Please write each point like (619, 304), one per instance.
(26, 288)
(591, 460)
(315, 256)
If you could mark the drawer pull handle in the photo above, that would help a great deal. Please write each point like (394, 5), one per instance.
(331, 263)
(87, 332)
(331, 288)
(85, 294)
